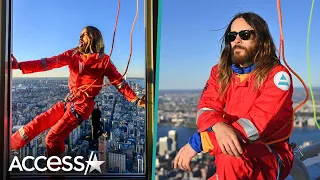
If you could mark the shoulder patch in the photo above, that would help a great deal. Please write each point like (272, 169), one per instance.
(282, 80)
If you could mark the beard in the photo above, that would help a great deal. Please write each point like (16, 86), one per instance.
(84, 47)
(242, 57)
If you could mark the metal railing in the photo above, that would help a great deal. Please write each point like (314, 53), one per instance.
(299, 170)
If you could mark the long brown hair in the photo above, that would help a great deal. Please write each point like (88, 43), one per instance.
(95, 45)
(265, 58)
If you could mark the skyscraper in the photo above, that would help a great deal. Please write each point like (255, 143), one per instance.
(173, 136)
(117, 162)
(163, 145)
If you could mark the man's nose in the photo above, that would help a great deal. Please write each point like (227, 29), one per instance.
(238, 40)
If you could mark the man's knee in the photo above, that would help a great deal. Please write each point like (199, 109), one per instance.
(55, 144)
(53, 138)
(232, 167)
(228, 160)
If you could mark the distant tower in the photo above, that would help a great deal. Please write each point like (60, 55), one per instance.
(103, 153)
(163, 145)
(173, 136)
(157, 163)
(140, 164)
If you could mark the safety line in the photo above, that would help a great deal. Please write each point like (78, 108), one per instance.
(309, 69)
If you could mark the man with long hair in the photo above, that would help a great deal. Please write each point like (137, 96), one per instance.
(245, 107)
(88, 64)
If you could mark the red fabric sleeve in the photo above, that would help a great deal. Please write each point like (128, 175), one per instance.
(46, 64)
(117, 80)
(211, 108)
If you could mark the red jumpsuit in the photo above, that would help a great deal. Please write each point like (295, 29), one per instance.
(262, 115)
(60, 118)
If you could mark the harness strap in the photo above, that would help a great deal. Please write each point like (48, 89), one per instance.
(278, 160)
(279, 163)
(65, 100)
(76, 114)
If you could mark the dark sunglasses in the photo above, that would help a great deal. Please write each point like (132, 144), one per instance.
(244, 35)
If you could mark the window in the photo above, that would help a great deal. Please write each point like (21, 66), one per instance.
(46, 29)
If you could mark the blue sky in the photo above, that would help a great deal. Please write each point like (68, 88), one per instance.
(189, 49)
(44, 28)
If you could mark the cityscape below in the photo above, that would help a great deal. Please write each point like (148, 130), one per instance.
(123, 147)
(176, 124)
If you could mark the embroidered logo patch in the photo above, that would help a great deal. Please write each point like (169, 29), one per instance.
(282, 80)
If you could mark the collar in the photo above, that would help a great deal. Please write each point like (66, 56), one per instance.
(93, 55)
(241, 70)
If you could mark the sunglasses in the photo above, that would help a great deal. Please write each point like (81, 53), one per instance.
(244, 35)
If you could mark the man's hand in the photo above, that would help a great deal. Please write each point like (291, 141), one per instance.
(184, 157)
(227, 139)
(142, 102)
(15, 63)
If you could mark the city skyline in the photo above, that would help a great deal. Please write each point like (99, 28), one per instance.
(142, 134)
(177, 123)
(162, 90)
(123, 142)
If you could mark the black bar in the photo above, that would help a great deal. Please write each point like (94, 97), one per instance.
(5, 98)
(5, 83)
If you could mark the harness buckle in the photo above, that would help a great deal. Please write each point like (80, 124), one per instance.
(295, 146)
(76, 114)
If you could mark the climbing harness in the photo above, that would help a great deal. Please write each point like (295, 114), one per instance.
(72, 108)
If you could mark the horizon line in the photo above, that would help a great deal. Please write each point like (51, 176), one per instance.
(144, 78)
(202, 88)
(68, 77)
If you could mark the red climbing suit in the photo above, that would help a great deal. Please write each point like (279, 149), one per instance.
(84, 71)
(262, 115)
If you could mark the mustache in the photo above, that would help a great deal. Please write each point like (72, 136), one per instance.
(239, 47)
